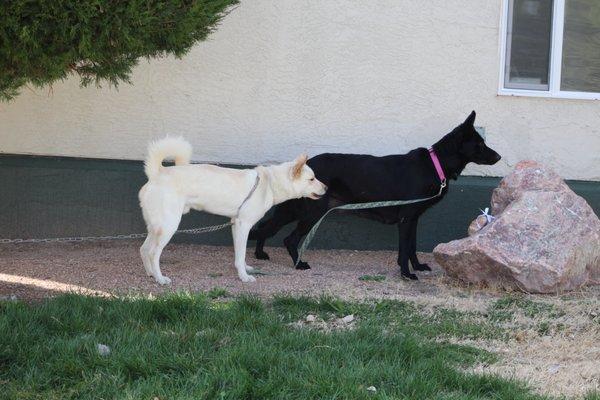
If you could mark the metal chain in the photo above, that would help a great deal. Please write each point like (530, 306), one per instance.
(205, 229)
(193, 231)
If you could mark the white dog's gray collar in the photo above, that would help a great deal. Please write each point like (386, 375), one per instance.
(251, 192)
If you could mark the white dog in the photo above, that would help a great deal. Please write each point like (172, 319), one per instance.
(243, 195)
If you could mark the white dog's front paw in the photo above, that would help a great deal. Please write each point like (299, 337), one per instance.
(247, 278)
(163, 280)
(249, 268)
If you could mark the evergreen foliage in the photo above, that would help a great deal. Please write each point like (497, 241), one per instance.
(42, 41)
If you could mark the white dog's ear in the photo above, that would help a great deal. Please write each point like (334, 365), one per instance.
(298, 164)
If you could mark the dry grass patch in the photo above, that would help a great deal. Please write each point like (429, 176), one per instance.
(553, 342)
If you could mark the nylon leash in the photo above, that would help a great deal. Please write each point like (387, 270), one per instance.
(360, 206)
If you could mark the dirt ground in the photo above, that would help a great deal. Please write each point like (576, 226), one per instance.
(558, 361)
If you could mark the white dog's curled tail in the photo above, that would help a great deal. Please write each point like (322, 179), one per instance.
(170, 147)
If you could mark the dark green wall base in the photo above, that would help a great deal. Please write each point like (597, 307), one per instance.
(59, 196)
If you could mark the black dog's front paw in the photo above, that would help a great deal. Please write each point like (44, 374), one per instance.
(409, 276)
(261, 255)
(421, 267)
(302, 265)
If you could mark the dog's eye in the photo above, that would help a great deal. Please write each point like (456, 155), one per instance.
(311, 179)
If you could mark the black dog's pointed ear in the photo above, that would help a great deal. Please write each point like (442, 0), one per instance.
(470, 119)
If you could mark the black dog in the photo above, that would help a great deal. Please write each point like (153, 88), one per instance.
(354, 178)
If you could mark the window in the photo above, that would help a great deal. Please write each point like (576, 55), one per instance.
(551, 48)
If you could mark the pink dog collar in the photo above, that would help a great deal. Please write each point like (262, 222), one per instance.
(438, 166)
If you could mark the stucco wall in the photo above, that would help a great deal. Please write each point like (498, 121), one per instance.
(281, 77)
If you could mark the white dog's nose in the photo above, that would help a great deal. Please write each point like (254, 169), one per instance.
(323, 187)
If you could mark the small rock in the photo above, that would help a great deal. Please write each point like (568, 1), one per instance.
(103, 349)
(553, 369)
(310, 318)
(520, 336)
(372, 389)
(348, 318)
(478, 224)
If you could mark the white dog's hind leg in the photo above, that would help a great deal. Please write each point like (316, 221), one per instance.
(240, 231)
(145, 253)
(162, 237)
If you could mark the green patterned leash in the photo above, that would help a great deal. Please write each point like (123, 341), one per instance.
(360, 206)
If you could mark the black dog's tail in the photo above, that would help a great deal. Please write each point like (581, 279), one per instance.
(282, 215)
(258, 232)
(253, 235)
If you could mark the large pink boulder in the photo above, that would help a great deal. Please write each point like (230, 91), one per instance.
(544, 237)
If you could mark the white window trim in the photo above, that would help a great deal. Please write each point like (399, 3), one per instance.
(558, 22)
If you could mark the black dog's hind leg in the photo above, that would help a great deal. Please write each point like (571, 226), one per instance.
(268, 228)
(293, 240)
(404, 248)
(261, 234)
(307, 216)
(412, 255)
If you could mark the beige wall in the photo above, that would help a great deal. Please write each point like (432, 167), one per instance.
(281, 77)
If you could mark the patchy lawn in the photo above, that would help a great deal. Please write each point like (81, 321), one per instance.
(189, 347)
(184, 346)
(551, 342)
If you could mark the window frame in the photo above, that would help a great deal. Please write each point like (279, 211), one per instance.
(556, 50)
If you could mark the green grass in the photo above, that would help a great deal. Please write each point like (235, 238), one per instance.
(217, 292)
(503, 309)
(372, 278)
(506, 309)
(191, 347)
